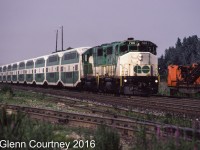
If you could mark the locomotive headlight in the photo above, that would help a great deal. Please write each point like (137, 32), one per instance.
(125, 80)
(140, 57)
(156, 81)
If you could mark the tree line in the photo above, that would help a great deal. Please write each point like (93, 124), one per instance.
(185, 52)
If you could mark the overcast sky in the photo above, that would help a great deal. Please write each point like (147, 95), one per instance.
(28, 27)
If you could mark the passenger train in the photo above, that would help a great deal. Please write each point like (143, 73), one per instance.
(128, 67)
(60, 68)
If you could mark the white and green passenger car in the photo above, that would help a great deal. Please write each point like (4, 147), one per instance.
(59, 68)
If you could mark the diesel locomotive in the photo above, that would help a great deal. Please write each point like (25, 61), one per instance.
(128, 67)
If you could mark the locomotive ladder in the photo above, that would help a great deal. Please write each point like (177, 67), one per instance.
(194, 75)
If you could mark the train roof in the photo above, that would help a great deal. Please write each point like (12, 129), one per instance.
(129, 40)
(80, 50)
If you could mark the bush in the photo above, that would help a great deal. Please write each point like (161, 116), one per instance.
(7, 90)
(107, 139)
(17, 127)
(141, 139)
(157, 142)
(11, 126)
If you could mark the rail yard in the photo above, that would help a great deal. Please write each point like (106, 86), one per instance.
(126, 114)
(180, 106)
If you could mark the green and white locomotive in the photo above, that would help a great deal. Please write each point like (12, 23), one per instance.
(128, 67)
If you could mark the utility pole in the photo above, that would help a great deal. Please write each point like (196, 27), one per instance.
(56, 40)
(62, 37)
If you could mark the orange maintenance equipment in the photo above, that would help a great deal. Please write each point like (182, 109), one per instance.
(173, 73)
(184, 79)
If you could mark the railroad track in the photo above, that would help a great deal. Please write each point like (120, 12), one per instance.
(184, 107)
(124, 126)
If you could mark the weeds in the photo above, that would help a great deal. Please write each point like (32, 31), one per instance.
(107, 139)
(156, 141)
(6, 92)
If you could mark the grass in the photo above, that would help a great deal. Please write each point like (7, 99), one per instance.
(67, 133)
(17, 127)
(165, 90)
(165, 119)
(27, 99)
(40, 100)
(157, 142)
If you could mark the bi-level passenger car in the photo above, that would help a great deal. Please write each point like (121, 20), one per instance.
(59, 68)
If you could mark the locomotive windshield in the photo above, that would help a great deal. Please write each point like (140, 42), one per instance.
(100, 52)
(123, 48)
(147, 47)
(109, 50)
(138, 46)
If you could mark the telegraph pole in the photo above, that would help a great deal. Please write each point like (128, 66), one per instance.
(62, 36)
(56, 40)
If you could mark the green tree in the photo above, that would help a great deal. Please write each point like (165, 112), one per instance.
(184, 53)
